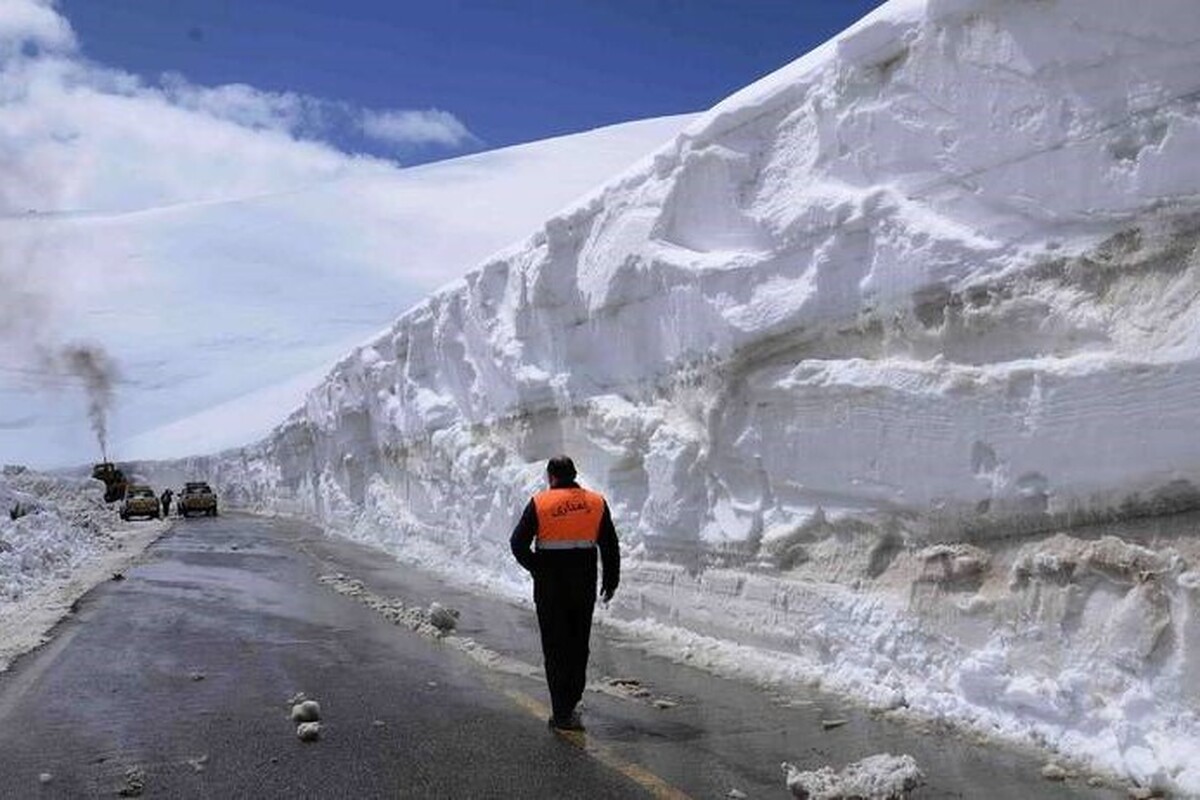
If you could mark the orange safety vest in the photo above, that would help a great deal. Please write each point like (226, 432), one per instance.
(568, 519)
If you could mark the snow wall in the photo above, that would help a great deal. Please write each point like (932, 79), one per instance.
(853, 359)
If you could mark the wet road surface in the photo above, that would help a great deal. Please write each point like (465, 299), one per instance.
(178, 678)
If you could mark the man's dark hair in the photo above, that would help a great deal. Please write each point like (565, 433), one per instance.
(561, 468)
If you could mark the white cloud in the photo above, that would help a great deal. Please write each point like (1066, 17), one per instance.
(432, 126)
(252, 108)
(33, 22)
(76, 136)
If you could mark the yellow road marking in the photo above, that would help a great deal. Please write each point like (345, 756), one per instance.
(656, 786)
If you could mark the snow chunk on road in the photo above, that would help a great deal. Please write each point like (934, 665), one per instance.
(308, 731)
(442, 618)
(877, 777)
(306, 711)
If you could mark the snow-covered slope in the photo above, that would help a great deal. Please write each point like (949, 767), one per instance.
(201, 303)
(845, 356)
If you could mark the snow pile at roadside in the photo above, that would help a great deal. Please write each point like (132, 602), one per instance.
(49, 526)
(845, 356)
(58, 539)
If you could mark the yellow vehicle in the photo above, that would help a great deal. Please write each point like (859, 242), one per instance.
(140, 501)
(114, 481)
(197, 497)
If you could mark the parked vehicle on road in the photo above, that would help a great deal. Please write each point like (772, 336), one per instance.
(197, 497)
(140, 501)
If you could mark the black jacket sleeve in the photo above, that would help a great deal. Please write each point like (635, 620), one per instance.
(522, 538)
(610, 553)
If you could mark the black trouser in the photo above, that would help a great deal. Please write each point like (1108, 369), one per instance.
(564, 590)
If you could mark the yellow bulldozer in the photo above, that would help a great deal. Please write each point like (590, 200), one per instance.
(113, 479)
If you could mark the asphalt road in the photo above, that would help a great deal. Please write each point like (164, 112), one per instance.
(177, 679)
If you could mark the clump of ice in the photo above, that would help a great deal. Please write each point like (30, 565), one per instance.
(878, 777)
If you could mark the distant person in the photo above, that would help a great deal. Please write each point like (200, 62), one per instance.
(566, 524)
(165, 499)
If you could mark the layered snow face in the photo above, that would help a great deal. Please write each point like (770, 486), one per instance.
(844, 357)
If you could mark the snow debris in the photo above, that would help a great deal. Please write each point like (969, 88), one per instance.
(391, 608)
(418, 620)
(135, 783)
(877, 777)
(736, 794)
(308, 731)
(1143, 793)
(1054, 772)
(627, 687)
(45, 778)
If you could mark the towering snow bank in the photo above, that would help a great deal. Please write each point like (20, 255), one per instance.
(935, 281)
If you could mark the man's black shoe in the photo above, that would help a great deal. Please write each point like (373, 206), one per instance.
(572, 723)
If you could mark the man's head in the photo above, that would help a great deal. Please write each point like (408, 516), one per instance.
(560, 471)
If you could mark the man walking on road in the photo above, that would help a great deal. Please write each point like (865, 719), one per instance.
(567, 524)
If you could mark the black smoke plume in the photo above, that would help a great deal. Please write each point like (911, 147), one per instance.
(97, 370)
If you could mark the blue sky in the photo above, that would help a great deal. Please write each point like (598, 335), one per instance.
(509, 71)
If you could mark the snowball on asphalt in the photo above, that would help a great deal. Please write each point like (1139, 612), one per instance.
(308, 731)
(442, 618)
(877, 777)
(306, 711)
